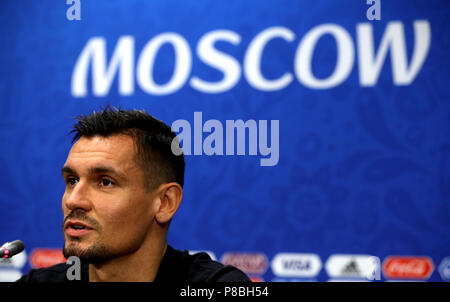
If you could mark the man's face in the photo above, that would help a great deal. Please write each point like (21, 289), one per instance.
(107, 210)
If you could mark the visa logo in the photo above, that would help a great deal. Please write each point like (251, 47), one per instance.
(296, 265)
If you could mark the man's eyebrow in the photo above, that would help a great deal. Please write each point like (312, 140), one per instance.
(67, 170)
(105, 169)
(94, 170)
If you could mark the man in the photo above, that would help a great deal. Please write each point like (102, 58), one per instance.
(123, 186)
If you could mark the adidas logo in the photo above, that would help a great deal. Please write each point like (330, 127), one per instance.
(351, 269)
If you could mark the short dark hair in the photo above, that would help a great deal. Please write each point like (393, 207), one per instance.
(152, 137)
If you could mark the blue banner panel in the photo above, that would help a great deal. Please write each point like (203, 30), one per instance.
(316, 133)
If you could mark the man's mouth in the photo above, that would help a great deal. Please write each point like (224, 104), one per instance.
(77, 229)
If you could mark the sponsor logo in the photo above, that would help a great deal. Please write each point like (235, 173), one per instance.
(292, 280)
(407, 267)
(406, 280)
(353, 267)
(45, 257)
(347, 280)
(257, 279)
(296, 265)
(251, 263)
(444, 268)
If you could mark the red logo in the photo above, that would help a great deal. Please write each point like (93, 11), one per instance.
(408, 267)
(44, 257)
(257, 279)
(251, 263)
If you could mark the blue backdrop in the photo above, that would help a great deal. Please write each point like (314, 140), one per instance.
(363, 109)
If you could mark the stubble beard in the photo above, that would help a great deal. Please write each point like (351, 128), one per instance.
(95, 253)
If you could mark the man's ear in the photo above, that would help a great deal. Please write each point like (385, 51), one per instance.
(170, 196)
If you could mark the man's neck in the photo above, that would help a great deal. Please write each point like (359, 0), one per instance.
(141, 266)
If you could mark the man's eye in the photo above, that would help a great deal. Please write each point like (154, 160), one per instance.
(71, 181)
(107, 182)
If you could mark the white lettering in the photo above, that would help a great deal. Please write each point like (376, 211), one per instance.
(225, 63)
(102, 77)
(182, 67)
(370, 60)
(370, 64)
(304, 54)
(252, 60)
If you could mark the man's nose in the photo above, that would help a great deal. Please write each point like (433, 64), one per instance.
(78, 197)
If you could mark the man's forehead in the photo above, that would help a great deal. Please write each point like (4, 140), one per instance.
(115, 148)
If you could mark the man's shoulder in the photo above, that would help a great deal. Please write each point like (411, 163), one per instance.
(177, 266)
(55, 273)
(198, 267)
(203, 268)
